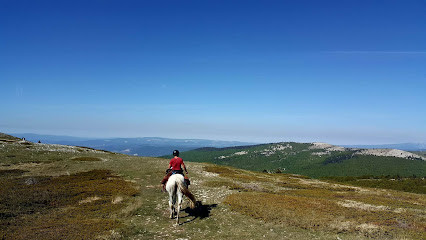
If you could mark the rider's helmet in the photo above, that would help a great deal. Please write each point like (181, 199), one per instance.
(176, 153)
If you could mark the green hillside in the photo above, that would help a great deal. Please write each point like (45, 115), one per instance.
(308, 159)
(64, 192)
(6, 137)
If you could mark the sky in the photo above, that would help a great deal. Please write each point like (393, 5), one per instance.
(342, 72)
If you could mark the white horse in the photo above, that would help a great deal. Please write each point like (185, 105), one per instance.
(176, 187)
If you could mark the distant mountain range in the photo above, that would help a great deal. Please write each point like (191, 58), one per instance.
(143, 146)
(400, 146)
(156, 146)
(310, 159)
(314, 159)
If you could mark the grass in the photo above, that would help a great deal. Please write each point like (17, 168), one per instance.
(143, 216)
(230, 172)
(318, 206)
(92, 159)
(413, 184)
(6, 137)
(80, 205)
(11, 172)
(321, 214)
(326, 207)
(120, 198)
(222, 183)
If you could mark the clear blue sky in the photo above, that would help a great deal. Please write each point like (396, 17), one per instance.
(343, 72)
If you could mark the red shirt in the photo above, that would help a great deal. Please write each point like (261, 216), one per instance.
(175, 163)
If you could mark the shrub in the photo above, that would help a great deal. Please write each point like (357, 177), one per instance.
(88, 159)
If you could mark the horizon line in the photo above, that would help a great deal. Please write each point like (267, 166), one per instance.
(251, 142)
(373, 52)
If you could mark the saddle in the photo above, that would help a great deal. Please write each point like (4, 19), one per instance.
(169, 172)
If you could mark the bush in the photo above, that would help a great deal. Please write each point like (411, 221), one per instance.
(87, 159)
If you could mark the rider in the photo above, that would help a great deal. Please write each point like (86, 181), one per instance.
(176, 164)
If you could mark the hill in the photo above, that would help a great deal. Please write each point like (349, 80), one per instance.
(400, 146)
(67, 192)
(7, 137)
(145, 146)
(420, 153)
(314, 159)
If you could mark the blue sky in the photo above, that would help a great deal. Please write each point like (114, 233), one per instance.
(343, 72)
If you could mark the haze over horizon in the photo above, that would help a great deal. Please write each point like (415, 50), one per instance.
(341, 72)
(33, 137)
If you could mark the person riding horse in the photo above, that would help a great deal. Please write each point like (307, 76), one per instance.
(175, 167)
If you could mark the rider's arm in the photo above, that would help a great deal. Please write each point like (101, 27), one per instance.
(183, 165)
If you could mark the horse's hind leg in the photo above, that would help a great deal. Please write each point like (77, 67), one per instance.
(179, 205)
(172, 209)
(177, 214)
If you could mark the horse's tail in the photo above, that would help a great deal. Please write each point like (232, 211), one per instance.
(187, 193)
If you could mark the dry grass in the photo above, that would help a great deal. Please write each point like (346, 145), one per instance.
(223, 183)
(89, 159)
(82, 202)
(241, 175)
(321, 206)
(6, 137)
(45, 207)
(11, 172)
(326, 215)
